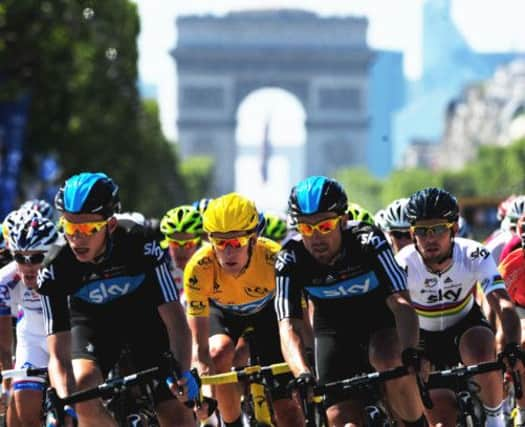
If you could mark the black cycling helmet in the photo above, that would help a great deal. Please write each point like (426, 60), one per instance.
(88, 192)
(432, 203)
(317, 194)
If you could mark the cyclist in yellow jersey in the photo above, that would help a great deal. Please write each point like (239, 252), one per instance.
(230, 286)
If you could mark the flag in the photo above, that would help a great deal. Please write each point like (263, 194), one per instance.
(266, 152)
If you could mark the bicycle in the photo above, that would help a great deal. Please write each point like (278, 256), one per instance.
(470, 408)
(260, 379)
(368, 387)
(54, 405)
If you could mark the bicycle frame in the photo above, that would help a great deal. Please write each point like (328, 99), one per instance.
(457, 380)
(256, 376)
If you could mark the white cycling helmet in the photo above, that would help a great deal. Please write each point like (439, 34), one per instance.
(40, 205)
(516, 209)
(32, 234)
(379, 218)
(16, 216)
(395, 215)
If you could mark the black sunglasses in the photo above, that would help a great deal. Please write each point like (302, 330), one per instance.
(400, 234)
(29, 259)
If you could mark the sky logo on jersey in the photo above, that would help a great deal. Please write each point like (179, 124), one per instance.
(104, 291)
(353, 287)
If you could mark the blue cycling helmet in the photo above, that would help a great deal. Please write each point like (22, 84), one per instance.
(88, 193)
(317, 194)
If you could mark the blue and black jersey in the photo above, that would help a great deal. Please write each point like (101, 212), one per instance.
(354, 288)
(121, 292)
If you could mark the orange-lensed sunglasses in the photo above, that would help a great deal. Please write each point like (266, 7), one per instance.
(324, 227)
(85, 228)
(185, 243)
(234, 242)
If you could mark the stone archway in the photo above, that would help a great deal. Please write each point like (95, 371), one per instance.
(324, 62)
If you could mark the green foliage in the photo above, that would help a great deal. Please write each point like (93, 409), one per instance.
(77, 59)
(197, 173)
(361, 187)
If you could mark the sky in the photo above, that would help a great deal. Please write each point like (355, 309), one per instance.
(488, 25)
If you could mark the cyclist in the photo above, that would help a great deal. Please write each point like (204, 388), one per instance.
(442, 272)
(363, 313)
(229, 286)
(182, 230)
(396, 225)
(119, 292)
(275, 227)
(29, 240)
(515, 209)
(512, 268)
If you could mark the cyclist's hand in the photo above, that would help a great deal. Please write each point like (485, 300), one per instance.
(70, 418)
(511, 355)
(304, 384)
(412, 359)
(186, 388)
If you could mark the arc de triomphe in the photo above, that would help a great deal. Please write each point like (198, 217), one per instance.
(322, 61)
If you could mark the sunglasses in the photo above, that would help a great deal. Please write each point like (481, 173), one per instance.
(397, 234)
(185, 244)
(432, 230)
(235, 242)
(324, 227)
(29, 259)
(85, 228)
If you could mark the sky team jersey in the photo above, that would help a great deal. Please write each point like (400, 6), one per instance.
(14, 295)
(442, 300)
(124, 289)
(512, 269)
(206, 283)
(354, 288)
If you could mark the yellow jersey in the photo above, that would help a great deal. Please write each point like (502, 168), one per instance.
(206, 283)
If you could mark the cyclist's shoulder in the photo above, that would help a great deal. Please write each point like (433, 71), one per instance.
(471, 252)
(266, 249)
(9, 275)
(364, 237)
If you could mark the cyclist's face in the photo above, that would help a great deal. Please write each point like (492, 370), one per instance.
(433, 246)
(28, 270)
(88, 247)
(323, 246)
(400, 239)
(184, 247)
(233, 257)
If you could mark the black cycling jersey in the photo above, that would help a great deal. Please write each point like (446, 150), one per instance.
(120, 292)
(355, 287)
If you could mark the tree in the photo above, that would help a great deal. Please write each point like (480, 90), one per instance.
(197, 173)
(361, 187)
(77, 60)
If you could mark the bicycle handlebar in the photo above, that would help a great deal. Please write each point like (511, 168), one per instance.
(245, 373)
(438, 379)
(21, 372)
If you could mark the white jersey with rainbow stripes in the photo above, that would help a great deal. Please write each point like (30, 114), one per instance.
(441, 300)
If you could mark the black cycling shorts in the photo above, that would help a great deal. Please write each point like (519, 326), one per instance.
(266, 341)
(442, 347)
(342, 352)
(104, 346)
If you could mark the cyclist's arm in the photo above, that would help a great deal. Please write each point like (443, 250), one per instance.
(292, 346)
(200, 331)
(500, 302)
(174, 319)
(60, 367)
(407, 322)
(6, 342)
